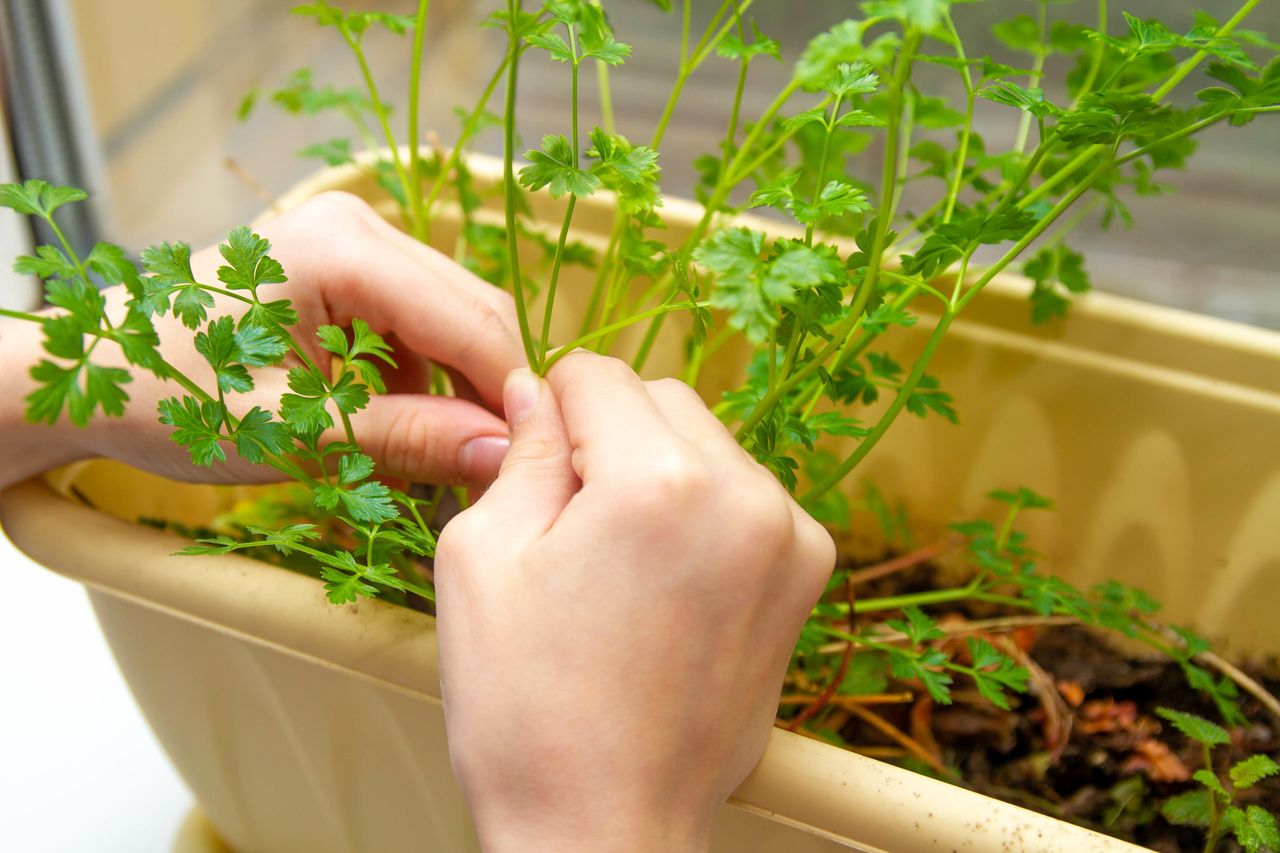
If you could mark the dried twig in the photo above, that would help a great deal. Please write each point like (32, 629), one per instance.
(844, 701)
(900, 737)
(251, 184)
(904, 561)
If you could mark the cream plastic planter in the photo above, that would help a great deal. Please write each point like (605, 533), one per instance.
(301, 726)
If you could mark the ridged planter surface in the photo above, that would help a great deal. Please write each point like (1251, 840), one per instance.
(301, 726)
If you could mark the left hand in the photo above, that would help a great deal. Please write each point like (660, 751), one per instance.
(343, 261)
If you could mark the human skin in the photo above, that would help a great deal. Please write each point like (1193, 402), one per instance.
(611, 664)
(343, 261)
(615, 614)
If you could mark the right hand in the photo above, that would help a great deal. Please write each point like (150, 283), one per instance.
(616, 615)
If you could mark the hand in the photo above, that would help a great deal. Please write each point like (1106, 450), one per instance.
(616, 615)
(343, 261)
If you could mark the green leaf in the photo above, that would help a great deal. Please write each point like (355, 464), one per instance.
(354, 467)
(348, 394)
(38, 198)
(553, 44)
(1189, 809)
(48, 262)
(56, 387)
(1058, 273)
(169, 263)
(369, 502)
(249, 265)
(1254, 828)
(1028, 100)
(994, 673)
(733, 47)
(1252, 770)
(851, 78)
(304, 411)
(1197, 728)
(919, 627)
(258, 436)
(334, 152)
(196, 426)
(1210, 781)
(1022, 498)
(104, 388)
(256, 346)
(553, 167)
(191, 305)
(603, 48)
(111, 264)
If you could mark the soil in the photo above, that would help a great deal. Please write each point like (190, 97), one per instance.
(1089, 747)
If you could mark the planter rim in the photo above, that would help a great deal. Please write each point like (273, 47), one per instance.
(807, 784)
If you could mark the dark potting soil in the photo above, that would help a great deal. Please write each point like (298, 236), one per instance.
(1089, 748)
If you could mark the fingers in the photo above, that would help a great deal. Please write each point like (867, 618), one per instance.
(362, 267)
(690, 418)
(428, 439)
(537, 479)
(608, 412)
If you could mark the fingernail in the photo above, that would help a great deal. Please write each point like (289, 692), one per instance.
(480, 458)
(520, 395)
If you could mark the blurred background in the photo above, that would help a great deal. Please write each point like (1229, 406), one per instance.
(137, 101)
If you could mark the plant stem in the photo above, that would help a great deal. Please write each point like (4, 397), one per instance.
(468, 130)
(1037, 72)
(890, 414)
(568, 210)
(1189, 64)
(1099, 50)
(962, 153)
(417, 217)
(1214, 831)
(509, 181)
(618, 326)
(863, 292)
(822, 166)
(380, 111)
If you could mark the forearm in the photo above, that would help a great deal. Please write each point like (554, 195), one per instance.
(27, 449)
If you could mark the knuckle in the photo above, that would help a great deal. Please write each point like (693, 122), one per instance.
(462, 538)
(411, 446)
(336, 206)
(673, 480)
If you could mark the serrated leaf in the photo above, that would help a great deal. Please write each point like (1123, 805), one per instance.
(1254, 828)
(1197, 728)
(258, 435)
(35, 197)
(248, 264)
(553, 167)
(1189, 809)
(1252, 770)
(196, 426)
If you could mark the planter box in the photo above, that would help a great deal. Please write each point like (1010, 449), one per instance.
(301, 726)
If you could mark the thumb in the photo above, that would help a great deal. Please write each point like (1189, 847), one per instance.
(537, 479)
(429, 439)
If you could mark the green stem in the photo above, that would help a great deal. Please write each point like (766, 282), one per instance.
(418, 219)
(380, 111)
(1037, 72)
(602, 273)
(962, 153)
(1214, 831)
(890, 414)
(1099, 50)
(468, 130)
(509, 182)
(618, 326)
(1189, 65)
(555, 278)
(822, 166)
(22, 315)
(863, 293)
